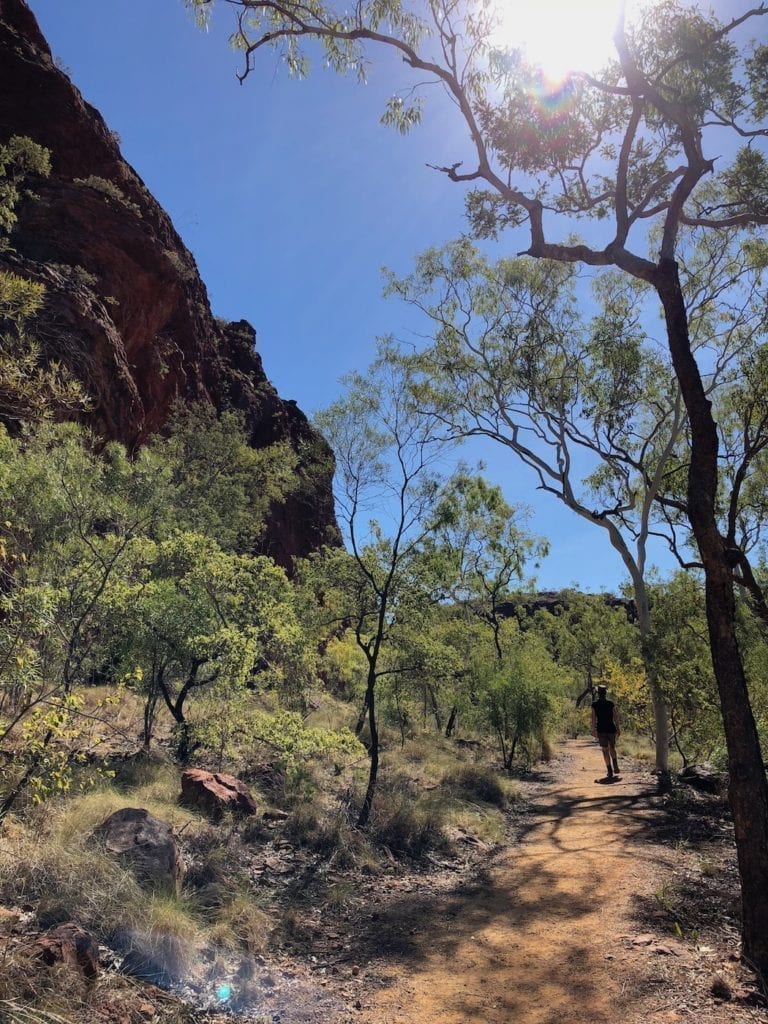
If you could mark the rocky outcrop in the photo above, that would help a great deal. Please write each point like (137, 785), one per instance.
(556, 601)
(146, 846)
(703, 777)
(215, 793)
(125, 308)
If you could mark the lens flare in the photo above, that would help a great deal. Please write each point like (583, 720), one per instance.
(223, 992)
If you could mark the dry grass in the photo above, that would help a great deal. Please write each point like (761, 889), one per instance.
(125, 714)
(639, 748)
(404, 822)
(428, 788)
(241, 924)
(477, 783)
(49, 861)
(14, 1012)
(474, 799)
(164, 936)
(330, 713)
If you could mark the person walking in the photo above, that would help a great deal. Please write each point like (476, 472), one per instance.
(605, 729)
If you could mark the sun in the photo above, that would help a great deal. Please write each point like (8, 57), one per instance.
(560, 35)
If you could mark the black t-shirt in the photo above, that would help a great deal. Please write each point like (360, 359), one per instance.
(604, 713)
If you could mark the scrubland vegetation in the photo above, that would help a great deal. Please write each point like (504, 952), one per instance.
(381, 697)
(139, 636)
(379, 702)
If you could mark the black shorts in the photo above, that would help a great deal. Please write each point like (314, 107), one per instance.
(606, 739)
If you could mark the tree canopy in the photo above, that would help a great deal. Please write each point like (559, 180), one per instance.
(628, 151)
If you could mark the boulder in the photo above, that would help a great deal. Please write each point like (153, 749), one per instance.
(703, 777)
(146, 845)
(214, 793)
(71, 945)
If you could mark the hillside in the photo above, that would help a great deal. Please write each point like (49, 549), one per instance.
(125, 308)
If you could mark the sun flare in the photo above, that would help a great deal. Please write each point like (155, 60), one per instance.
(561, 35)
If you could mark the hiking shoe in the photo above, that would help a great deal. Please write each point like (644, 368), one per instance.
(610, 774)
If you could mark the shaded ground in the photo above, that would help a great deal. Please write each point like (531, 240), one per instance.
(569, 926)
(606, 903)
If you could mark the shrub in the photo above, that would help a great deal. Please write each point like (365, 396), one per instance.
(242, 924)
(110, 189)
(478, 783)
(403, 825)
(327, 833)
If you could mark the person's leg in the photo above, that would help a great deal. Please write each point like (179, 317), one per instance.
(614, 758)
(604, 746)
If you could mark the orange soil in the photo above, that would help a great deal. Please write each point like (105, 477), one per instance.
(537, 943)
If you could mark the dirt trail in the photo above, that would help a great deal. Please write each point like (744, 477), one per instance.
(535, 942)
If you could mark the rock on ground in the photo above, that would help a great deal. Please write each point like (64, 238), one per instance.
(72, 945)
(214, 793)
(146, 845)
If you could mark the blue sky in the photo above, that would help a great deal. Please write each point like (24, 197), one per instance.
(291, 197)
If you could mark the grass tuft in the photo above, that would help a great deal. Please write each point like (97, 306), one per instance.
(477, 782)
(406, 826)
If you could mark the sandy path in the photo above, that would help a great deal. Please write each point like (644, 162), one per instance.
(535, 943)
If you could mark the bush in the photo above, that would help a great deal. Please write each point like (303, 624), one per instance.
(404, 826)
(110, 189)
(478, 783)
(241, 924)
(328, 834)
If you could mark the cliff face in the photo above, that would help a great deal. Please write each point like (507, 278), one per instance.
(125, 307)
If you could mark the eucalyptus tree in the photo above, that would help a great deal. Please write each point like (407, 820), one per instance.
(592, 408)
(586, 634)
(487, 545)
(388, 488)
(190, 620)
(680, 632)
(627, 148)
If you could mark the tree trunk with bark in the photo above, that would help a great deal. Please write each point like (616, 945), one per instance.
(748, 788)
(650, 663)
(373, 750)
(451, 722)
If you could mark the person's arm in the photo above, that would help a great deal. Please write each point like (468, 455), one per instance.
(617, 722)
(594, 723)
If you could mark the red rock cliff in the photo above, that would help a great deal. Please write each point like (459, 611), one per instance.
(126, 309)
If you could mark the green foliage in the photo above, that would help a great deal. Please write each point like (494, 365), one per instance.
(516, 698)
(109, 189)
(484, 546)
(215, 483)
(586, 636)
(343, 666)
(283, 736)
(681, 648)
(20, 157)
(104, 579)
(30, 384)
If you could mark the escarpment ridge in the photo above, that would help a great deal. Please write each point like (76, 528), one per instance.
(125, 308)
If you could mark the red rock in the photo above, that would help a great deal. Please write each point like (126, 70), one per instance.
(131, 313)
(72, 945)
(214, 793)
(146, 845)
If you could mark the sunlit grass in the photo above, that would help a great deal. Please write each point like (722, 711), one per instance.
(70, 819)
(241, 924)
(639, 748)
